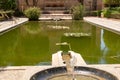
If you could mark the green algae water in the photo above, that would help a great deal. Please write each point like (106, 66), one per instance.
(33, 43)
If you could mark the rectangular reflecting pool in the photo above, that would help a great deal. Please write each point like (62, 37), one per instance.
(33, 43)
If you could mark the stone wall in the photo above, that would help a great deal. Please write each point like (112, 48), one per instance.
(88, 4)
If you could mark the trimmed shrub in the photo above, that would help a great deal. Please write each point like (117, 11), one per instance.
(93, 13)
(18, 13)
(77, 12)
(99, 13)
(107, 12)
(86, 13)
(115, 15)
(32, 13)
(118, 9)
(115, 9)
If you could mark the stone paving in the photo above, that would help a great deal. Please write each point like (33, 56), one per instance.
(11, 74)
(109, 24)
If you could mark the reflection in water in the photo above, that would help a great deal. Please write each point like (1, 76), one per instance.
(104, 49)
(33, 43)
(112, 42)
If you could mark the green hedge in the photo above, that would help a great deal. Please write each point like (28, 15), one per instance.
(77, 12)
(32, 13)
(99, 13)
(93, 13)
(18, 13)
(107, 12)
(116, 16)
(113, 12)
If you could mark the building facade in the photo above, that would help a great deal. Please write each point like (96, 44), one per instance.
(59, 5)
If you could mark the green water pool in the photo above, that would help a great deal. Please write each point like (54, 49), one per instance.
(33, 43)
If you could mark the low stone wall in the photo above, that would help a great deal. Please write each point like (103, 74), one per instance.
(55, 16)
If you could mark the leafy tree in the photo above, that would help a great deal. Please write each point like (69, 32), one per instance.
(8, 4)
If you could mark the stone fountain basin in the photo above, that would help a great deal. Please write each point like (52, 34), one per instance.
(79, 71)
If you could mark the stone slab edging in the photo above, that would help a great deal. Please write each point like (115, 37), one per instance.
(109, 24)
(6, 25)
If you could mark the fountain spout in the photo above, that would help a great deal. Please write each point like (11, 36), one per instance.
(70, 61)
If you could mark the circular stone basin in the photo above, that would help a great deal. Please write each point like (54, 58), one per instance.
(80, 73)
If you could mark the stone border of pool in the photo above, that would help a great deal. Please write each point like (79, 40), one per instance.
(26, 72)
(6, 25)
(109, 24)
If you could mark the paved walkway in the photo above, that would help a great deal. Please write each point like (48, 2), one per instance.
(110, 24)
(5, 25)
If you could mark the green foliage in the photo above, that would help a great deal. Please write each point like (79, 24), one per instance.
(94, 13)
(113, 12)
(77, 12)
(32, 13)
(8, 4)
(116, 9)
(107, 12)
(18, 13)
(112, 3)
(115, 15)
(99, 13)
